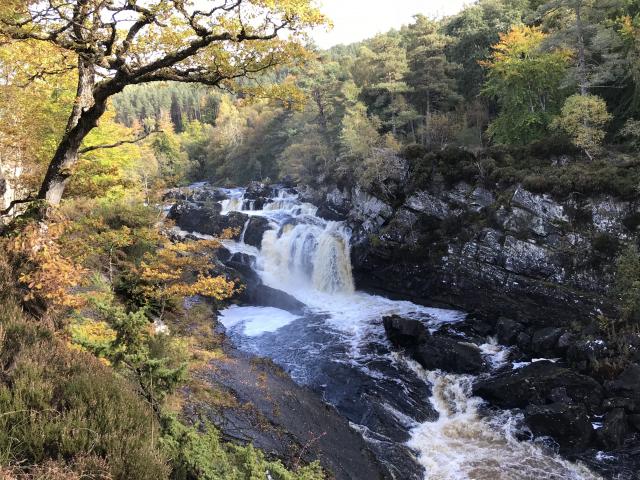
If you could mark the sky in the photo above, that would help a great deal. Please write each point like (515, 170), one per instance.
(355, 20)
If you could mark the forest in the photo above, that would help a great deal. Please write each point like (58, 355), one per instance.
(498, 73)
(105, 106)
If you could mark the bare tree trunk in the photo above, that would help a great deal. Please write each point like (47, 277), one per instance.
(84, 118)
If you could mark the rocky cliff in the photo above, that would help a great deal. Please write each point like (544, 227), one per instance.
(509, 253)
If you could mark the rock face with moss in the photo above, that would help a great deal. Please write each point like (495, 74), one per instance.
(501, 248)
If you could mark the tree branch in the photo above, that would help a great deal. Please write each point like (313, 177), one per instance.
(29, 199)
(118, 144)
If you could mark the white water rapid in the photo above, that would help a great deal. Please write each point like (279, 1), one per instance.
(338, 347)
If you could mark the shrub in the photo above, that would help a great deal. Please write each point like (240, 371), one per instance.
(61, 405)
(200, 454)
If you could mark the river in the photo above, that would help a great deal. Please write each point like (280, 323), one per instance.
(420, 424)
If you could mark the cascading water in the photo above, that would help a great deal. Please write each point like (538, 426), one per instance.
(410, 417)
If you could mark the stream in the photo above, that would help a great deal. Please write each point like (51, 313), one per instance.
(420, 424)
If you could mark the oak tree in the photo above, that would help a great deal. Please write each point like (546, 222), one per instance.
(116, 43)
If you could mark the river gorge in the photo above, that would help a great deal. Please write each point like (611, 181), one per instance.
(419, 415)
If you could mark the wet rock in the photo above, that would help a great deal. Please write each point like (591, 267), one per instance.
(433, 352)
(627, 404)
(284, 419)
(403, 332)
(523, 340)
(545, 341)
(288, 181)
(254, 292)
(535, 383)
(205, 219)
(508, 330)
(634, 421)
(614, 429)
(568, 425)
(256, 190)
(449, 355)
(263, 296)
(330, 213)
(223, 254)
(255, 231)
(627, 384)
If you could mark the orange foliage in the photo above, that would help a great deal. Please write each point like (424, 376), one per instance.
(43, 271)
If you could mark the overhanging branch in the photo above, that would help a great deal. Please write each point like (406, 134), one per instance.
(31, 198)
(118, 144)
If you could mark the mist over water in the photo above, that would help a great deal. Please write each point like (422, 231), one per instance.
(339, 349)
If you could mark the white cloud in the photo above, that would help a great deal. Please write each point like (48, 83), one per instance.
(355, 20)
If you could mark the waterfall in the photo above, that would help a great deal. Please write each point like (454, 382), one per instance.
(309, 255)
(332, 262)
(339, 345)
(231, 204)
(301, 251)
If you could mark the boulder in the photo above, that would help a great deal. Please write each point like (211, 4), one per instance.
(614, 429)
(508, 330)
(256, 190)
(627, 385)
(544, 342)
(568, 425)
(263, 296)
(206, 219)
(565, 341)
(243, 264)
(583, 353)
(223, 254)
(403, 332)
(433, 352)
(255, 231)
(331, 213)
(523, 340)
(449, 355)
(535, 383)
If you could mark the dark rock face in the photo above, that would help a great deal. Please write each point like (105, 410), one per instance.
(545, 341)
(523, 257)
(263, 296)
(329, 212)
(403, 332)
(508, 331)
(568, 425)
(614, 429)
(205, 219)
(255, 231)
(627, 385)
(535, 384)
(254, 292)
(433, 351)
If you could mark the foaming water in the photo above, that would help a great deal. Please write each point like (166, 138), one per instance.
(255, 321)
(339, 348)
(461, 444)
